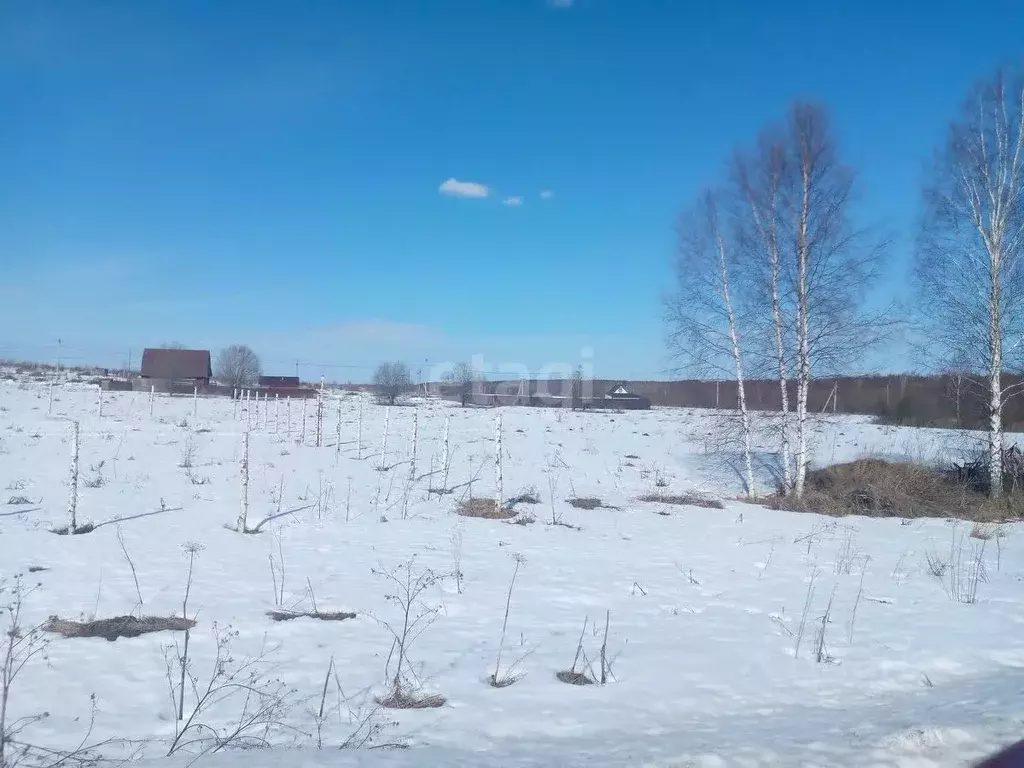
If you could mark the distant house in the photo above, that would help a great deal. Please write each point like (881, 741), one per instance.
(620, 396)
(177, 366)
(279, 382)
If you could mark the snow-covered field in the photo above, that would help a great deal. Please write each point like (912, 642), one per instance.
(704, 605)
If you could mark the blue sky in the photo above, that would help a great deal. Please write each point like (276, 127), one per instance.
(274, 172)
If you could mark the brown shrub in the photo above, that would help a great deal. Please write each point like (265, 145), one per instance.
(485, 509)
(688, 499)
(879, 488)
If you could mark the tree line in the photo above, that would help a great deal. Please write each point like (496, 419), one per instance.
(773, 272)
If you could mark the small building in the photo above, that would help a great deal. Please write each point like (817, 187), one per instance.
(620, 396)
(165, 368)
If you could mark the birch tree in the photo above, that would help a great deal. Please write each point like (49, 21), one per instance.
(704, 330)
(808, 267)
(970, 260)
(758, 181)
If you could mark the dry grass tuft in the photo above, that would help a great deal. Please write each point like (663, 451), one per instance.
(585, 502)
(574, 678)
(503, 682)
(686, 499)
(484, 509)
(399, 698)
(118, 626)
(987, 531)
(283, 615)
(879, 488)
(529, 496)
(79, 529)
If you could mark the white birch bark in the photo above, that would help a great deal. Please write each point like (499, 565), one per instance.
(73, 493)
(243, 514)
(737, 357)
(500, 478)
(415, 440)
(359, 431)
(384, 438)
(445, 453)
(803, 356)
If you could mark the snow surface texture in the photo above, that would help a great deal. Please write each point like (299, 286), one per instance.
(704, 603)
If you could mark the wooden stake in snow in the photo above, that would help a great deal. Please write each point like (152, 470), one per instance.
(73, 495)
(49, 403)
(152, 397)
(337, 436)
(302, 431)
(446, 453)
(195, 401)
(99, 401)
(243, 514)
(359, 431)
(319, 442)
(500, 480)
(266, 410)
(384, 438)
(257, 418)
(415, 439)
(235, 398)
(288, 407)
(277, 412)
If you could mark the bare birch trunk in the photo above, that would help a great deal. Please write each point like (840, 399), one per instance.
(737, 357)
(995, 387)
(384, 438)
(445, 453)
(499, 479)
(243, 515)
(73, 493)
(803, 355)
(415, 440)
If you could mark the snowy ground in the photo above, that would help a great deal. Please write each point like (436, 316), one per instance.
(704, 603)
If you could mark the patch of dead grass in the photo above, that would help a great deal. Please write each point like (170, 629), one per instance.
(880, 488)
(573, 678)
(283, 615)
(683, 500)
(118, 626)
(400, 698)
(588, 502)
(485, 509)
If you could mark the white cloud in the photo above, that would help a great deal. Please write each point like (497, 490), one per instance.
(456, 188)
(514, 200)
(546, 194)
